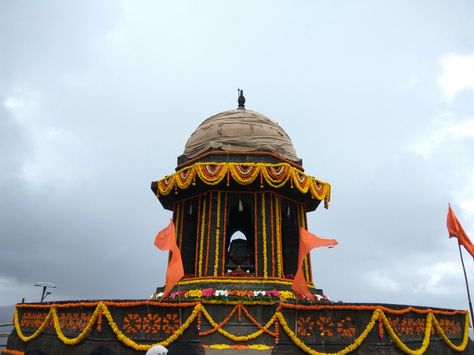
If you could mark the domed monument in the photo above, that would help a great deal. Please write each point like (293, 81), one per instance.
(239, 173)
(239, 199)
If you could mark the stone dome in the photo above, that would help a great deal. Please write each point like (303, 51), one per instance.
(240, 130)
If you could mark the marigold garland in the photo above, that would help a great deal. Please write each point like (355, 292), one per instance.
(272, 233)
(201, 237)
(307, 260)
(277, 319)
(346, 350)
(278, 237)
(255, 227)
(210, 173)
(401, 345)
(196, 255)
(235, 302)
(238, 347)
(129, 342)
(99, 321)
(371, 308)
(264, 236)
(224, 234)
(16, 323)
(237, 337)
(301, 222)
(241, 280)
(275, 175)
(244, 173)
(254, 321)
(208, 243)
(216, 255)
(221, 324)
(106, 303)
(12, 352)
(465, 339)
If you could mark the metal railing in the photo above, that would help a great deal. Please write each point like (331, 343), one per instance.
(4, 335)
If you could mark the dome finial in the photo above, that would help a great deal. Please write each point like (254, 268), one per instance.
(241, 99)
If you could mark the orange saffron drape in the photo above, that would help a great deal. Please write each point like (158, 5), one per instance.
(166, 240)
(456, 230)
(308, 242)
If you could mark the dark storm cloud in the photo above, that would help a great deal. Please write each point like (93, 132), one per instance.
(97, 100)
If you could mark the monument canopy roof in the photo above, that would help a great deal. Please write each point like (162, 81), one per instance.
(240, 130)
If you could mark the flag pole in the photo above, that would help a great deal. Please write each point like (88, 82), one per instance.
(467, 285)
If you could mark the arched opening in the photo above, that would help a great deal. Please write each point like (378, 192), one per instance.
(240, 259)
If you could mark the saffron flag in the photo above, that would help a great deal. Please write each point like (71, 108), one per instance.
(166, 240)
(456, 230)
(308, 242)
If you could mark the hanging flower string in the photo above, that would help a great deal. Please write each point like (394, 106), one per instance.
(274, 175)
(278, 319)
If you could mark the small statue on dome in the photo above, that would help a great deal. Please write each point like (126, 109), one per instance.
(241, 99)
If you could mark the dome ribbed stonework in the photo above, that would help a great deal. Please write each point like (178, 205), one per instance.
(242, 131)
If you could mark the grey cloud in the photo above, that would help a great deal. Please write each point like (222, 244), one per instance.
(123, 86)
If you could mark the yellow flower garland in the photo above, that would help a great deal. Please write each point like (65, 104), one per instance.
(201, 237)
(401, 345)
(185, 178)
(346, 350)
(233, 347)
(85, 332)
(301, 214)
(264, 236)
(234, 171)
(232, 302)
(212, 173)
(209, 180)
(198, 307)
(100, 307)
(465, 339)
(238, 337)
(278, 236)
(129, 342)
(16, 322)
(235, 281)
(277, 183)
(218, 223)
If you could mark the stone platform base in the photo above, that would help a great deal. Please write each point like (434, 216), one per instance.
(235, 327)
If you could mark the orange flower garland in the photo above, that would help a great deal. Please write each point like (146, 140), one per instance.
(254, 321)
(201, 237)
(209, 222)
(218, 226)
(255, 225)
(217, 326)
(278, 237)
(12, 352)
(244, 173)
(275, 175)
(264, 237)
(272, 233)
(198, 239)
(224, 234)
(278, 318)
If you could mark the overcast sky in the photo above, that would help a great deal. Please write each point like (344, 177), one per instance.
(98, 98)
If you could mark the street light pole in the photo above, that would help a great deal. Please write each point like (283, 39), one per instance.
(45, 286)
